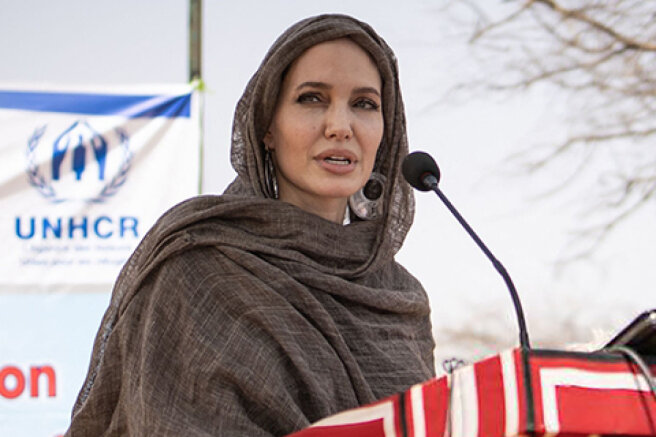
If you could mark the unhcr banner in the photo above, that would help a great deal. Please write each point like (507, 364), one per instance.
(84, 174)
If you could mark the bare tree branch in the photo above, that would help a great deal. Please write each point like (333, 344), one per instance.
(601, 55)
(488, 28)
(578, 15)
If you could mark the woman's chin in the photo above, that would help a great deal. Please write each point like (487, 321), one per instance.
(337, 194)
(328, 192)
(339, 188)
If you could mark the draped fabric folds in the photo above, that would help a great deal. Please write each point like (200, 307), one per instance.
(243, 315)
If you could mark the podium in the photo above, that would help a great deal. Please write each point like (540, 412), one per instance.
(518, 392)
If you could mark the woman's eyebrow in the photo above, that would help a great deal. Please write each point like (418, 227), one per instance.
(323, 85)
(367, 89)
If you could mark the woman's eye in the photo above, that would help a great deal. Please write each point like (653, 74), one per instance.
(308, 97)
(366, 104)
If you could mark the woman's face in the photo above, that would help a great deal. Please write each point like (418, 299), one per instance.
(327, 127)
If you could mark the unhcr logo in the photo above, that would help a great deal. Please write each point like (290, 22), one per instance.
(78, 163)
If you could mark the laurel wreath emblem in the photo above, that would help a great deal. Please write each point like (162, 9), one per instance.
(45, 187)
(36, 180)
(120, 177)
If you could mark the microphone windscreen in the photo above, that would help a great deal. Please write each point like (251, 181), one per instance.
(415, 166)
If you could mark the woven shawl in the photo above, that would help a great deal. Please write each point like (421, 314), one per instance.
(243, 315)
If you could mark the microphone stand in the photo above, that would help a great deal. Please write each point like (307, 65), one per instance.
(430, 181)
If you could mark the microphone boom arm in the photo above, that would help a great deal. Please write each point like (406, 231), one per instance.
(431, 182)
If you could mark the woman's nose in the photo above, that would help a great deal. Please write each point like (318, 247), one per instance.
(338, 123)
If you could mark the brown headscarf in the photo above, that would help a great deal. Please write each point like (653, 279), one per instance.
(243, 315)
(256, 107)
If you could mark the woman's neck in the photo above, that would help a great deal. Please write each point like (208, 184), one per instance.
(329, 209)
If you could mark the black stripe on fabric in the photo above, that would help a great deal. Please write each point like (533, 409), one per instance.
(598, 356)
(402, 418)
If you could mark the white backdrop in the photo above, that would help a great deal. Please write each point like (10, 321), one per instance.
(84, 173)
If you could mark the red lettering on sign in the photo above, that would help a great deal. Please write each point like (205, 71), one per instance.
(49, 372)
(13, 380)
(5, 373)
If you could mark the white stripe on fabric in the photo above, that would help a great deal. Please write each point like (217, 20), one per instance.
(418, 416)
(464, 406)
(510, 392)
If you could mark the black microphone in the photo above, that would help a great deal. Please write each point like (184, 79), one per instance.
(421, 171)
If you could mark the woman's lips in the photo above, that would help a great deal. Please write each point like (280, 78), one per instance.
(337, 161)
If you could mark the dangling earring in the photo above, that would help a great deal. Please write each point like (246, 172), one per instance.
(367, 202)
(270, 174)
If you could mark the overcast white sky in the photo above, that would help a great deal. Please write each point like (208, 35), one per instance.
(126, 42)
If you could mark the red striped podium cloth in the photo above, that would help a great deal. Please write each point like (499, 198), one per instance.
(518, 392)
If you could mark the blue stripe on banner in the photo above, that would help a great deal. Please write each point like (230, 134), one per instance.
(131, 106)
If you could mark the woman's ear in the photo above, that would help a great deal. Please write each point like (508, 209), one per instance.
(268, 141)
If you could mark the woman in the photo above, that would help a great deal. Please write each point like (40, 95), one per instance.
(267, 308)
